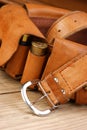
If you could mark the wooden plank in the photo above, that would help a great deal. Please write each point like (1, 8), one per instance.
(15, 115)
(8, 84)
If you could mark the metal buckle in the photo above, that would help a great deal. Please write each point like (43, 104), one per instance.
(30, 105)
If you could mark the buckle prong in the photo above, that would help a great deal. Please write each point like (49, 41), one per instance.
(39, 99)
(46, 94)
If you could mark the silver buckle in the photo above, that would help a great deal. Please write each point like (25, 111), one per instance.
(30, 105)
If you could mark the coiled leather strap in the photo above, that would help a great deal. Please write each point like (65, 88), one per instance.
(67, 79)
(72, 27)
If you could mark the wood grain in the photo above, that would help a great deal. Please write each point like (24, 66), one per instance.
(7, 84)
(15, 115)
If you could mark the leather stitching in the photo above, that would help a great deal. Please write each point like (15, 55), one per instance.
(65, 79)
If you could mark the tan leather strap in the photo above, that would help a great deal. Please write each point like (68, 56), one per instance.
(44, 16)
(67, 25)
(63, 51)
(68, 79)
(12, 27)
(45, 11)
(81, 96)
(2, 2)
(73, 27)
(20, 2)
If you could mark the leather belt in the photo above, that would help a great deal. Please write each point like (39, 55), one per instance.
(59, 85)
(64, 66)
(73, 28)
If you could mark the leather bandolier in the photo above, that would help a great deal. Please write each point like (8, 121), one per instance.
(62, 69)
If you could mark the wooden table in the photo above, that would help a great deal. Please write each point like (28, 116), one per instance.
(15, 115)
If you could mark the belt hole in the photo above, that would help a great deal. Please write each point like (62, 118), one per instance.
(75, 21)
(0, 42)
(59, 30)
